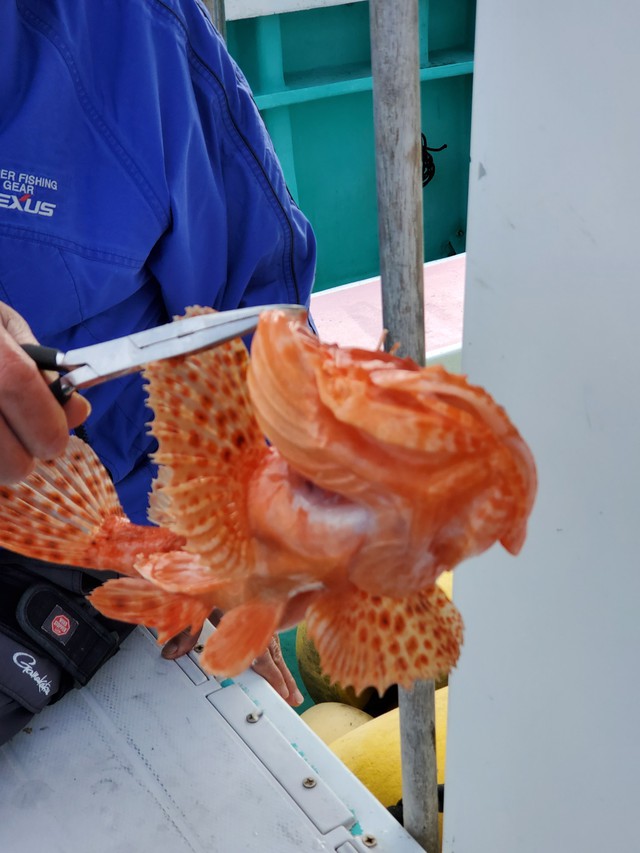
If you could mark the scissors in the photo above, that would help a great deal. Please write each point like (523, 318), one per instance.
(91, 365)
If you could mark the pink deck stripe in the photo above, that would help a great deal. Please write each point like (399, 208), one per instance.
(351, 315)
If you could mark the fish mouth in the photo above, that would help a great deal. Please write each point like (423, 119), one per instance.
(304, 535)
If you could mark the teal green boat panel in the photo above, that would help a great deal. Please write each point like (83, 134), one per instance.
(311, 76)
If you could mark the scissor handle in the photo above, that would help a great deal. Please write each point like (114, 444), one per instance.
(61, 392)
(47, 359)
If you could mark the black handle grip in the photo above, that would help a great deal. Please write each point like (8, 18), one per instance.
(47, 359)
(62, 393)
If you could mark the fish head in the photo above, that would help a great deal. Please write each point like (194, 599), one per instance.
(420, 443)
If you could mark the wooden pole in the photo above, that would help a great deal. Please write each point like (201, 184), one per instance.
(419, 769)
(216, 10)
(396, 104)
(395, 63)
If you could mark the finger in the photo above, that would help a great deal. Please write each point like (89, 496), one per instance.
(27, 406)
(273, 668)
(15, 463)
(266, 667)
(75, 407)
(76, 410)
(215, 616)
(16, 325)
(179, 645)
(295, 696)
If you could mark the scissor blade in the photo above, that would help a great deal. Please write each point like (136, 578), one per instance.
(101, 362)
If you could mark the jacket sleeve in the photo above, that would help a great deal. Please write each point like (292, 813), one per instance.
(235, 236)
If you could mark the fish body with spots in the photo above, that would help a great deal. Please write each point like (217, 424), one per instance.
(378, 475)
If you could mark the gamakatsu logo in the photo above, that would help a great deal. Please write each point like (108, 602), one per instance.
(26, 663)
(26, 204)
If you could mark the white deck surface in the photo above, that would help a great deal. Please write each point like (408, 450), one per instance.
(156, 756)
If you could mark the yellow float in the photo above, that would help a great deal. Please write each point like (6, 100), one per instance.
(372, 751)
(331, 720)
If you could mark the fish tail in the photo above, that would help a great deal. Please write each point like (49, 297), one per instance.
(67, 511)
(242, 635)
(138, 601)
(372, 640)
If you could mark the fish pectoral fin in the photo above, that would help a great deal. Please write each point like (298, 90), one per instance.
(371, 640)
(242, 635)
(67, 511)
(55, 512)
(138, 601)
(180, 571)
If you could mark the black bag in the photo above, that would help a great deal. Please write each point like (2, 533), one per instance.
(51, 639)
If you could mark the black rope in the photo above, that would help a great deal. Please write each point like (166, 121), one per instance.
(428, 166)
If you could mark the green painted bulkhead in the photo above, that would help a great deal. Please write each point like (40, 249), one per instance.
(310, 72)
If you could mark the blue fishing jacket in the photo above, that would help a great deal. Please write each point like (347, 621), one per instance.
(136, 178)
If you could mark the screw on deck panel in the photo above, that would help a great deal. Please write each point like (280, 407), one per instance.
(309, 782)
(254, 716)
(198, 648)
(369, 841)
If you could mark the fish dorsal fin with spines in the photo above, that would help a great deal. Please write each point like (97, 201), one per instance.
(67, 511)
(209, 444)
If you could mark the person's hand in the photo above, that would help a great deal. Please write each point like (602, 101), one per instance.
(270, 665)
(33, 425)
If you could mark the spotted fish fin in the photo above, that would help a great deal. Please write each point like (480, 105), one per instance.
(209, 443)
(183, 572)
(138, 601)
(67, 511)
(365, 640)
(242, 635)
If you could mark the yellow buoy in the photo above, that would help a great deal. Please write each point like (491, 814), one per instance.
(372, 751)
(445, 582)
(331, 720)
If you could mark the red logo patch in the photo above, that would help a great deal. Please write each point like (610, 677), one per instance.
(61, 625)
